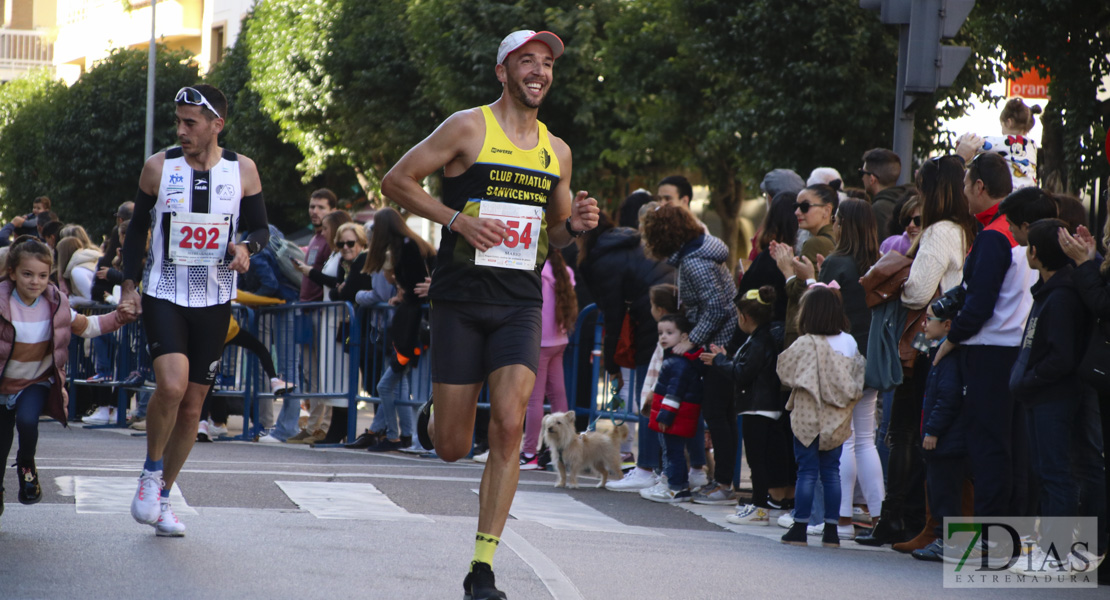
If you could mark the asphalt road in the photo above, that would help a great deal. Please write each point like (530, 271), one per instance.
(295, 522)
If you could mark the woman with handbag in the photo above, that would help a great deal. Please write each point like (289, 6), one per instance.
(938, 256)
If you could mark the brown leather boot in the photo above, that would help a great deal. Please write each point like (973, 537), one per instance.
(926, 537)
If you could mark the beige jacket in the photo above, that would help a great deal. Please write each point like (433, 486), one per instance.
(825, 385)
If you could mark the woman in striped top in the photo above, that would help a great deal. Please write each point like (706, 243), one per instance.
(35, 326)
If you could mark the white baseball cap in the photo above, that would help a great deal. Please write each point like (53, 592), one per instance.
(517, 39)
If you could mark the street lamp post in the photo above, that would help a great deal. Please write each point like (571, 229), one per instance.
(148, 148)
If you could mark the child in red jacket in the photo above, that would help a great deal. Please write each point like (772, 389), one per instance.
(676, 405)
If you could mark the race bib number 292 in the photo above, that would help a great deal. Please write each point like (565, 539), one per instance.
(519, 248)
(198, 238)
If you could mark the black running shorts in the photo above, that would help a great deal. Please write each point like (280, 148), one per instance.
(196, 332)
(470, 341)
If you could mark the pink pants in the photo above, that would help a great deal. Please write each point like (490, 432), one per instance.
(549, 383)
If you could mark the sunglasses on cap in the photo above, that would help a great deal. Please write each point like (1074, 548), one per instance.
(805, 206)
(191, 96)
(346, 244)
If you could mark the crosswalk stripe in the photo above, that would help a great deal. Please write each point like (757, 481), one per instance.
(560, 511)
(111, 495)
(343, 500)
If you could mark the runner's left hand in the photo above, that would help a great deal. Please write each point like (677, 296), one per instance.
(583, 212)
(242, 260)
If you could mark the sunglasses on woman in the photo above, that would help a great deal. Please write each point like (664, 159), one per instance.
(347, 244)
(916, 221)
(805, 206)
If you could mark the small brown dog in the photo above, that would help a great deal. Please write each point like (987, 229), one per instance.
(574, 452)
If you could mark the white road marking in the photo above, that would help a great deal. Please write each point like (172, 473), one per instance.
(111, 495)
(317, 474)
(560, 511)
(341, 500)
(557, 582)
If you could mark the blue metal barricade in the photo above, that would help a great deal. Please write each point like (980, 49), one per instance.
(601, 386)
(318, 346)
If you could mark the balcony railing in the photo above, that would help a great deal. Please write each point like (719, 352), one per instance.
(22, 50)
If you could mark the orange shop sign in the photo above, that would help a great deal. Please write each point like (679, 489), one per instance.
(1026, 85)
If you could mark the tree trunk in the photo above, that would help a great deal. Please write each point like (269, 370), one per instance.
(725, 196)
(1053, 174)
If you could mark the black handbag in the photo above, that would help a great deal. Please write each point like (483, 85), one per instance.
(1095, 366)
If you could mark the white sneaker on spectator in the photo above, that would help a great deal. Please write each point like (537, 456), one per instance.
(215, 431)
(669, 496)
(655, 489)
(101, 416)
(750, 514)
(167, 524)
(112, 414)
(846, 532)
(481, 458)
(268, 439)
(635, 480)
(202, 432)
(145, 505)
(816, 530)
(279, 387)
(786, 520)
(1036, 561)
(861, 517)
(698, 479)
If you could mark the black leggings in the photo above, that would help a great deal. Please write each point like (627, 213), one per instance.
(216, 406)
(24, 418)
(720, 419)
(768, 447)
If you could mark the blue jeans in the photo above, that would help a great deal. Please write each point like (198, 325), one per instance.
(393, 388)
(694, 447)
(103, 347)
(25, 419)
(650, 447)
(282, 339)
(811, 464)
(676, 470)
(1065, 447)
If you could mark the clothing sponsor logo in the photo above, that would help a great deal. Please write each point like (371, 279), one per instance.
(200, 184)
(545, 157)
(213, 368)
(225, 192)
(499, 150)
(1007, 552)
(176, 179)
(172, 190)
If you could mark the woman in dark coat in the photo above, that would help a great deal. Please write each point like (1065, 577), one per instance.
(612, 264)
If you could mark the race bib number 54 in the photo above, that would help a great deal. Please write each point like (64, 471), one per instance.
(519, 249)
(198, 238)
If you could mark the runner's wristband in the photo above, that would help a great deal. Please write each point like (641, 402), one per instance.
(573, 233)
(452, 221)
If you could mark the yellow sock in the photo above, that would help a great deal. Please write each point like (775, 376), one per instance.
(484, 547)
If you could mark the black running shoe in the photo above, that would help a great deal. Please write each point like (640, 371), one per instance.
(422, 418)
(367, 439)
(479, 584)
(30, 492)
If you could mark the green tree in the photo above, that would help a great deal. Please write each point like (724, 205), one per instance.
(83, 146)
(1069, 41)
(25, 104)
(733, 90)
(250, 131)
(338, 79)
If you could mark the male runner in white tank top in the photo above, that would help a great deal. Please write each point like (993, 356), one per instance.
(507, 197)
(197, 196)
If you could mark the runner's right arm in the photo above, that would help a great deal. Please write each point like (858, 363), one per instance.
(446, 145)
(134, 245)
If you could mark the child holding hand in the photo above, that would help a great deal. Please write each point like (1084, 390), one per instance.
(676, 406)
(824, 370)
(35, 326)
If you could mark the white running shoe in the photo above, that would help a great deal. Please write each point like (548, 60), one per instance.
(202, 432)
(749, 514)
(846, 532)
(215, 431)
(101, 416)
(167, 524)
(481, 458)
(668, 496)
(816, 530)
(658, 488)
(633, 481)
(786, 520)
(698, 479)
(268, 439)
(145, 505)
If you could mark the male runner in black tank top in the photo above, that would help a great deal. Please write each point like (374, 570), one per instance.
(501, 309)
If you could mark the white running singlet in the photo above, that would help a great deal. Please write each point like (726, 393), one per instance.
(197, 213)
